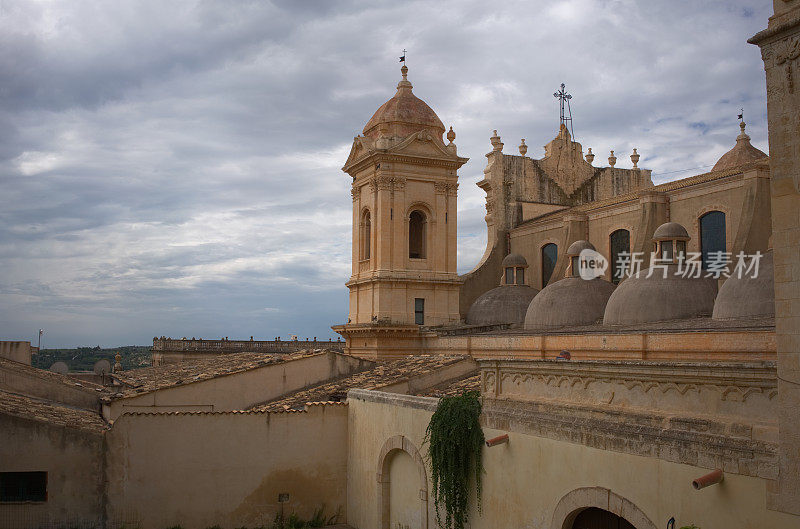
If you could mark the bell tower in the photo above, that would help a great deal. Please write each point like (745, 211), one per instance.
(404, 189)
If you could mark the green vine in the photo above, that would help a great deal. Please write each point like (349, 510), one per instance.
(455, 442)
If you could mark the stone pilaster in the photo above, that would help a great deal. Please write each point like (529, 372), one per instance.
(780, 50)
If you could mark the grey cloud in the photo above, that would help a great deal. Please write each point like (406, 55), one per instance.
(174, 168)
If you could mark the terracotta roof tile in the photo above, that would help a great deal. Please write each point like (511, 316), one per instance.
(146, 379)
(382, 375)
(51, 413)
(453, 387)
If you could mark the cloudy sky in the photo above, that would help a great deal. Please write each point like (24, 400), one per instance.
(173, 168)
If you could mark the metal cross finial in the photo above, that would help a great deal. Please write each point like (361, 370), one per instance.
(741, 114)
(562, 97)
(403, 58)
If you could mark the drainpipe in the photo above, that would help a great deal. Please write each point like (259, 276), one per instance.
(712, 478)
(497, 440)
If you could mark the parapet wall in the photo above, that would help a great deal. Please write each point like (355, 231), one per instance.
(169, 350)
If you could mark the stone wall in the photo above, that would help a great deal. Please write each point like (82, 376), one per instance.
(197, 470)
(17, 351)
(539, 481)
(170, 350)
(74, 462)
(708, 345)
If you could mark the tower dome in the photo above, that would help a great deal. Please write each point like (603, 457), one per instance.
(664, 291)
(571, 301)
(742, 153)
(508, 302)
(403, 114)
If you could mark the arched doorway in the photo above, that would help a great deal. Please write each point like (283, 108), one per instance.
(402, 486)
(591, 507)
(594, 518)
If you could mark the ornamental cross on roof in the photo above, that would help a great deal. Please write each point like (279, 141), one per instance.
(563, 97)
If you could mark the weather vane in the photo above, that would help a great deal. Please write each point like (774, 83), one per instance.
(563, 97)
(403, 58)
(741, 114)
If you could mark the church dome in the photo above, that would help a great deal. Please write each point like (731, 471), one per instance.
(572, 301)
(664, 291)
(748, 296)
(642, 299)
(742, 153)
(503, 304)
(403, 114)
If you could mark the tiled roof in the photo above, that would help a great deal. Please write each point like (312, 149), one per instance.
(49, 376)
(146, 379)
(382, 375)
(453, 387)
(51, 413)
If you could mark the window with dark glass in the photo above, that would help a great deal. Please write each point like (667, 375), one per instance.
(23, 486)
(509, 276)
(620, 245)
(549, 257)
(419, 311)
(520, 276)
(416, 235)
(712, 235)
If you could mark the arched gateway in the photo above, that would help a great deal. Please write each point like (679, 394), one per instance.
(598, 508)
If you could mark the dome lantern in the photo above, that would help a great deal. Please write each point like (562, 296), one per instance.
(670, 241)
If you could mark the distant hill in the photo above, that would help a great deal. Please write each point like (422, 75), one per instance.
(83, 358)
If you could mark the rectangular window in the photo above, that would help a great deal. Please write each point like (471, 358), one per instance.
(509, 276)
(23, 486)
(419, 311)
(520, 276)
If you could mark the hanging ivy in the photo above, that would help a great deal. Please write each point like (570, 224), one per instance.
(455, 442)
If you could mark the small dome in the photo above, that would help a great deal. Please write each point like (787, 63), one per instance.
(404, 113)
(742, 153)
(571, 301)
(748, 296)
(642, 299)
(578, 246)
(671, 230)
(514, 259)
(504, 304)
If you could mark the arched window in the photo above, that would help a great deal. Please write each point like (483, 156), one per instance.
(712, 235)
(416, 235)
(620, 243)
(366, 235)
(549, 257)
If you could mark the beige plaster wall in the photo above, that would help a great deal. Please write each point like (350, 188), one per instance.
(73, 460)
(198, 470)
(46, 385)
(239, 391)
(16, 351)
(525, 479)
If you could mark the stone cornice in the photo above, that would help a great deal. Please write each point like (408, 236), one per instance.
(386, 156)
(760, 38)
(688, 440)
(412, 276)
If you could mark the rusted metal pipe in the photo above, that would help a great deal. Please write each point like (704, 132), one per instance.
(712, 478)
(500, 439)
